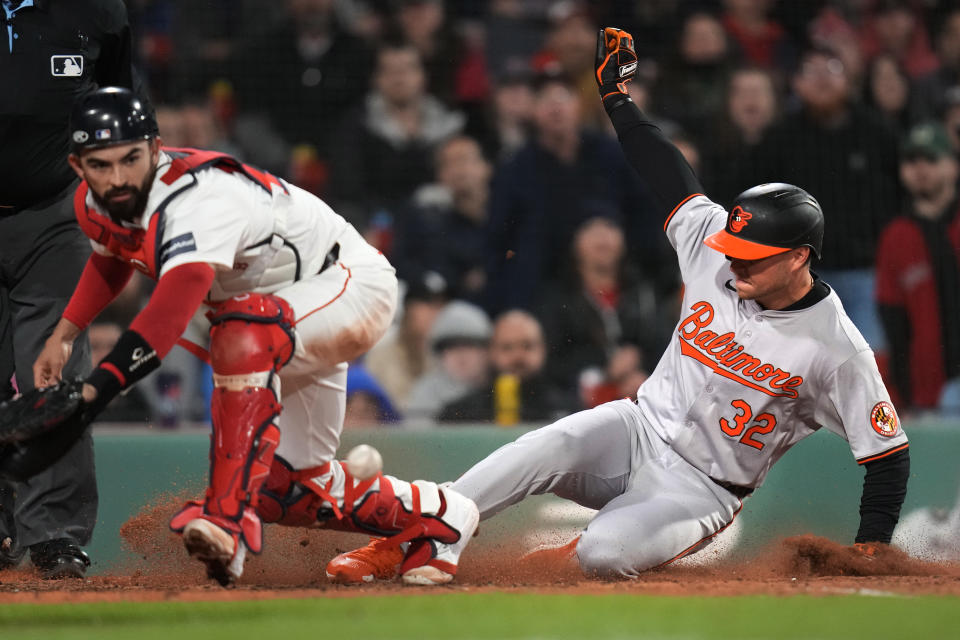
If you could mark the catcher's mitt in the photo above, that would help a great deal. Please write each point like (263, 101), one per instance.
(39, 427)
(39, 411)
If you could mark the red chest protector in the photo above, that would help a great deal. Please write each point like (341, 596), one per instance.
(142, 247)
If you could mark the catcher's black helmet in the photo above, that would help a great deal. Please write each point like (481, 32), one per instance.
(770, 219)
(109, 116)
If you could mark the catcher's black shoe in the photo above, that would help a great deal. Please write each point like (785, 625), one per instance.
(10, 555)
(6, 562)
(57, 559)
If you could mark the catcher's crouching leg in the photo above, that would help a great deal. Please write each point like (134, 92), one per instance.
(251, 340)
(436, 521)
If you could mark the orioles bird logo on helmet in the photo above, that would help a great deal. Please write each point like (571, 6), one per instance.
(738, 219)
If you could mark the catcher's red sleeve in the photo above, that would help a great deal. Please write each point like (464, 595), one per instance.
(178, 295)
(100, 283)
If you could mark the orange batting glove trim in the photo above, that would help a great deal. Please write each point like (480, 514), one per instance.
(616, 61)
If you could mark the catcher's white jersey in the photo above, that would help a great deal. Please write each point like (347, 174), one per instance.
(260, 236)
(264, 235)
(739, 385)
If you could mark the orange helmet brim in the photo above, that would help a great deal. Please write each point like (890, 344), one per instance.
(734, 247)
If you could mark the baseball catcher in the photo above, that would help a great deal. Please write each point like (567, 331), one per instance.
(277, 292)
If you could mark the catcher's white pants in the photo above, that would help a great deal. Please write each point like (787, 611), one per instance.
(340, 313)
(653, 505)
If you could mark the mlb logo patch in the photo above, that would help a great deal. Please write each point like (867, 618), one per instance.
(66, 66)
(102, 134)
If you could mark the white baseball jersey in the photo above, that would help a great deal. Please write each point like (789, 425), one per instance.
(739, 385)
(259, 232)
(263, 235)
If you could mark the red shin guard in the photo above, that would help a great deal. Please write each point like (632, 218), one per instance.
(244, 438)
(285, 500)
(383, 513)
(290, 498)
(251, 338)
(241, 451)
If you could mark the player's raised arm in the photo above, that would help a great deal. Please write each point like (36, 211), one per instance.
(659, 163)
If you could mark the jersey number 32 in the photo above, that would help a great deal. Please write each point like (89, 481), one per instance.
(762, 424)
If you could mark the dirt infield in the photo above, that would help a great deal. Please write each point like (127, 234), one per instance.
(292, 566)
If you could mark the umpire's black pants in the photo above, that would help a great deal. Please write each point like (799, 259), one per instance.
(42, 253)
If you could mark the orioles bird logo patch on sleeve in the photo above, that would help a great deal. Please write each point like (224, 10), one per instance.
(883, 417)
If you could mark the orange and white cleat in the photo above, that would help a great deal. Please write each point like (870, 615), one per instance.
(379, 560)
(554, 556)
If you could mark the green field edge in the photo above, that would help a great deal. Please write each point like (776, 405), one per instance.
(455, 616)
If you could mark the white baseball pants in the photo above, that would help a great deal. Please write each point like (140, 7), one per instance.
(340, 313)
(654, 507)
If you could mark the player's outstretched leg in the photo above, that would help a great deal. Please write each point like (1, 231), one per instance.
(584, 457)
(250, 341)
(434, 523)
(670, 510)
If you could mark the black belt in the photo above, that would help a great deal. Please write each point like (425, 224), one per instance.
(332, 256)
(736, 489)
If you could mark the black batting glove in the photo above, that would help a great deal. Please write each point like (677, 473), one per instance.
(616, 65)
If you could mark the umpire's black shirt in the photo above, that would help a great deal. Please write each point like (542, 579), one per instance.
(51, 52)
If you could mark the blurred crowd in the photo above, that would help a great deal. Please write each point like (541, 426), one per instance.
(467, 142)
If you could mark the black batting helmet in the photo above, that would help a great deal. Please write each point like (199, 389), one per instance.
(770, 219)
(109, 116)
